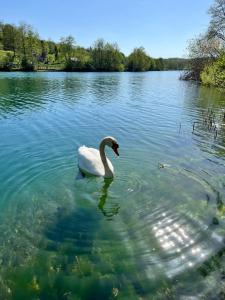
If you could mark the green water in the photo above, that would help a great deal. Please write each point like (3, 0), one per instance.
(156, 231)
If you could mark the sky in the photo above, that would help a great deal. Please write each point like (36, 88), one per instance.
(162, 27)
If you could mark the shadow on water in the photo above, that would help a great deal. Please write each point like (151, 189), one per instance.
(74, 230)
(80, 175)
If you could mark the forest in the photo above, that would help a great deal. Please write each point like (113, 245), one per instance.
(21, 48)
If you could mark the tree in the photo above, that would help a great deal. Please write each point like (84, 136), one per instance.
(207, 48)
(44, 52)
(80, 61)
(113, 58)
(201, 51)
(159, 64)
(175, 63)
(51, 46)
(1, 35)
(56, 53)
(217, 22)
(106, 56)
(8, 34)
(138, 60)
(97, 54)
(66, 48)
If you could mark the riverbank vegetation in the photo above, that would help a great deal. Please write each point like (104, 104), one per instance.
(207, 51)
(21, 48)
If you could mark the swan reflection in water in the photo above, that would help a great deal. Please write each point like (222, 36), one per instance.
(108, 212)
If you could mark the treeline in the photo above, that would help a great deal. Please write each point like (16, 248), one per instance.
(21, 48)
(207, 51)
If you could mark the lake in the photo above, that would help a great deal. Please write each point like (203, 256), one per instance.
(156, 231)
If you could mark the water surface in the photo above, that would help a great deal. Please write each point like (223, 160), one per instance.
(154, 232)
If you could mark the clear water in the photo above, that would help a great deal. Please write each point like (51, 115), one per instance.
(154, 232)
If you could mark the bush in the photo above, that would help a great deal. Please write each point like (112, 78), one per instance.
(214, 74)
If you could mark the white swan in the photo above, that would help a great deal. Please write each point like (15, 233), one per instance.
(94, 162)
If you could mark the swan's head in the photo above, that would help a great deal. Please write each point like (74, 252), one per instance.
(112, 143)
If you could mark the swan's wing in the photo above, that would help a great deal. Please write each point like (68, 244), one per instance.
(89, 161)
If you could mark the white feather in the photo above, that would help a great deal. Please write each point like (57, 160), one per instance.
(89, 161)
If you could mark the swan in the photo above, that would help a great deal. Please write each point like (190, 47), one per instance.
(95, 162)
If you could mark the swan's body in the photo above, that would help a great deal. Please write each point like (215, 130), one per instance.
(89, 161)
(94, 162)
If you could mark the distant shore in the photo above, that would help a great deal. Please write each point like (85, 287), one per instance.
(83, 71)
(22, 49)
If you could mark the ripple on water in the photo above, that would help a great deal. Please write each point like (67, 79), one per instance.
(152, 222)
(168, 242)
(163, 233)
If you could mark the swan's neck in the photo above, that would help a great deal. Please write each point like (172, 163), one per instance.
(108, 171)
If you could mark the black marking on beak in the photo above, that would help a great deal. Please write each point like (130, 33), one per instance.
(115, 147)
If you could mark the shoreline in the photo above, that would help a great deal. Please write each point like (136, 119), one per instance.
(81, 71)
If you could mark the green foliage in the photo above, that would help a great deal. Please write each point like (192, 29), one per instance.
(8, 37)
(44, 51)
(206, 52)
(1, 36)
(25, 44)
(214, 74)
(50, 58)
(51, 46)
(80, 61)
(26, 51)
(106, 57)
(138, 60)
(159, 64)
(175, 63)
(27, 65)
(6, 58)
(66, 48)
